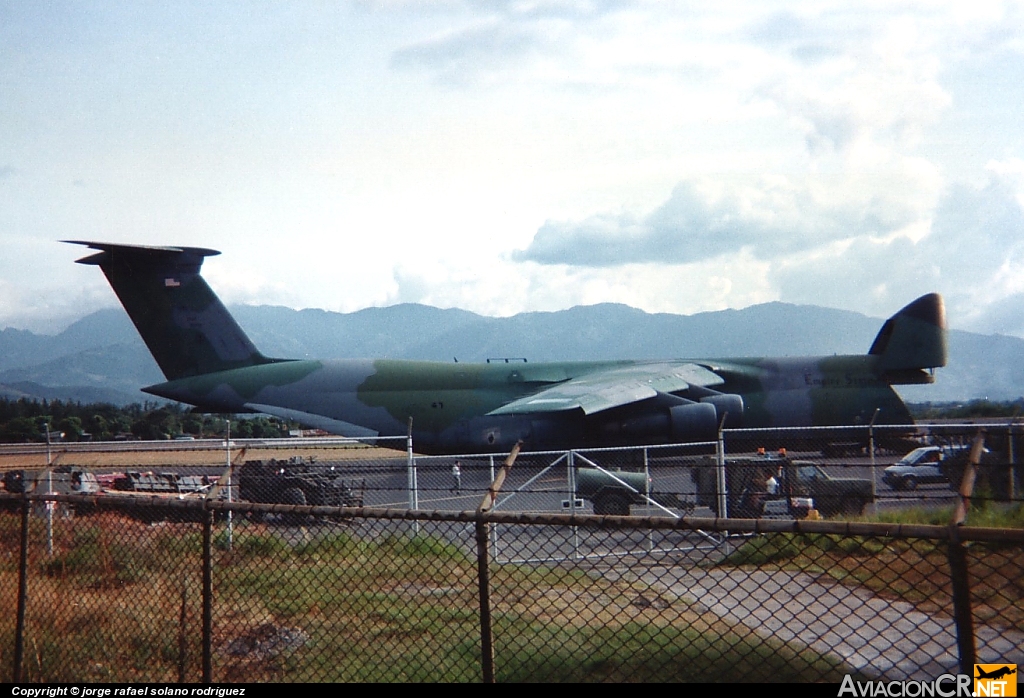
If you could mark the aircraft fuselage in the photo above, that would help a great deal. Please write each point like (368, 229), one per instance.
(449, 403)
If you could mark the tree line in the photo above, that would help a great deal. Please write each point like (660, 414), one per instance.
(27, 420)
(971, 409)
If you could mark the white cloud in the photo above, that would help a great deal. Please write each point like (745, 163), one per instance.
(973, 253)
(771, 217)
(677, 158)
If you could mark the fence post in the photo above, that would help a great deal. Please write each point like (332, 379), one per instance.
(493, 529)
(50, 506)
(1011, 459)
(571, 466)
(207, 594)
(961, 601)
(873, 465)
(414, 498)
(484, 584)
(227, 449)
(958, 561)
(871, 442)
(19, 632)
(723, 504)
(483, 570)
(647, 498)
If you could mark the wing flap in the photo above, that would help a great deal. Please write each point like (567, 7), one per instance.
(604, 390)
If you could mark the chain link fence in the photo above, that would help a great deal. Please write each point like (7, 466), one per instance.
(717, 574)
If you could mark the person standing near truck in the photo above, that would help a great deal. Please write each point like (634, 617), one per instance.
(456, 478)
(754, 494)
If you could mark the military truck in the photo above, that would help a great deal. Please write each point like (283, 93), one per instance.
(296, 481)
(614, 498)
(63, 479)
(756, 485)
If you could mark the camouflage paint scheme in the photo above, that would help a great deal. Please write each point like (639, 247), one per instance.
(461, 407)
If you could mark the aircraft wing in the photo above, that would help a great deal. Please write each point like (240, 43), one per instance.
(603, 390)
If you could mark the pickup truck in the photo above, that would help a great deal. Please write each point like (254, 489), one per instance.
(750, 495)
(833, 495)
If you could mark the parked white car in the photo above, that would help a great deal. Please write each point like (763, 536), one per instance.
(920, 466)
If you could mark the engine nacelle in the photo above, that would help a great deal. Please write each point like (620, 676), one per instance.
(727, 404)
(665, 418)
(697, 421)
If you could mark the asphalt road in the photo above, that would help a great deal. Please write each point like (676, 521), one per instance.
(386, 482)
(528, 489)
(883, 638)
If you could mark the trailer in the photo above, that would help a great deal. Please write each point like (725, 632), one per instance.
(613, 492)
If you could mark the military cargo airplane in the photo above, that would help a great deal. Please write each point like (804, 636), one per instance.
(210, 363)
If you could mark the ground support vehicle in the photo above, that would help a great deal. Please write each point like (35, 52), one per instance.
(163, 483)
(613, 492)
(832, 495)
(776, 487)
(296, 481)
(123, 496)
(128, 488)
(747, 486)
(60, 480)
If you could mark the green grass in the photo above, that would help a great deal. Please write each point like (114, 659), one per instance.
(911, 569)
(781, 547)
(643, 653)
(106, 607)
(981, 513)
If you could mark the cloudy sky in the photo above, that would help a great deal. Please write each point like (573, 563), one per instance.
(510, 156)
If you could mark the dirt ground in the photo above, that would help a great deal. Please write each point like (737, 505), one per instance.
(147, 456)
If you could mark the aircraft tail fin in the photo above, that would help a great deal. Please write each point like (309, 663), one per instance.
(913, 340)
(186, 327)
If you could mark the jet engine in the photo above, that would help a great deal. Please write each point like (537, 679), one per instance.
(728, 405)
(664, 418)
(697, 421)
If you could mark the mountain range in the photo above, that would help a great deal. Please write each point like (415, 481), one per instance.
(101, 358)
